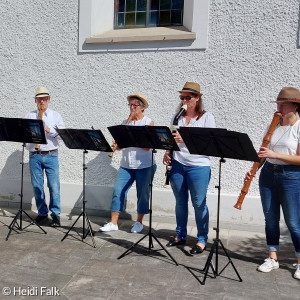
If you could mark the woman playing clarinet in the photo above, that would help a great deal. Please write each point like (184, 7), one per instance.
(190, 173)
(135, 166)
(279, 181)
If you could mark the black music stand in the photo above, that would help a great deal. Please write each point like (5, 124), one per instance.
(23, 131)
(85, 139)
(224, 144)
(153, 137)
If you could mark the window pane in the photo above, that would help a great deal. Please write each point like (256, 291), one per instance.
(141, 5)
(177, 4)
(129, 19)
(153, 20)
(164, 18)
(154, 5)
(130, 5)
(151, 13)
(165, 4)
(176, 17)
(121, 6)
(120, 22)
(141, 19)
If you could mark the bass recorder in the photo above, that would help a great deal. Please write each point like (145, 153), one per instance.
(256, 165)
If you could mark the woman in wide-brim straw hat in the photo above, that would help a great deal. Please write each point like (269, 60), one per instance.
(136, 165)
(190, 172)
(279, 181)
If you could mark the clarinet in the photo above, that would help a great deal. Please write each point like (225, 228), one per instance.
(174, 129)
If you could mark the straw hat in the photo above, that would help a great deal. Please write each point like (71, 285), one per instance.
(191, 87)
(41, 92)
(139, 96)
(288, 94)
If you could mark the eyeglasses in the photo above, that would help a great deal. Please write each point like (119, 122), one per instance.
(134, 105)
(188, 98)
(39, 99)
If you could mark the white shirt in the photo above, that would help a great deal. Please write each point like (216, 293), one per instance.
(285, 140)
(183, 156)
(52, 119)
(137, 158)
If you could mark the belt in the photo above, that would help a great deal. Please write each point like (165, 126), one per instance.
(45, 152)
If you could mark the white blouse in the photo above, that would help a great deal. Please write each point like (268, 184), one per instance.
(137, 158)
(183, 156)
(285, 140)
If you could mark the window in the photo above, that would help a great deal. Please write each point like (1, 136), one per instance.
(101, 31)
(148, 13)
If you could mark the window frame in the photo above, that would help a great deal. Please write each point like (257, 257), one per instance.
(96, 20)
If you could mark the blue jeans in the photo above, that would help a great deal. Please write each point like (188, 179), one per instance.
(49, 162)
(124, 181)
(280, 185)
(195, 180)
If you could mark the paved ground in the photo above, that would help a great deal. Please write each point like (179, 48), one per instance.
(38, 265)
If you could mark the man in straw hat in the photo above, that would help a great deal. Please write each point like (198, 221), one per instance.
(279, 181)
(135, 166)
(45, 158)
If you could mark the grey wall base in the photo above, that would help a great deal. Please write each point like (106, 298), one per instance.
(99, 200)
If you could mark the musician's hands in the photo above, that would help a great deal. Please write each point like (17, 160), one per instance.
(114, 146)
(132, 116)
(177, 137)
(47, 129)
(266, 153)
(167, 158)
(247, 176)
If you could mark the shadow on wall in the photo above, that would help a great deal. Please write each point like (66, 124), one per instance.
(94, 182)
(10, 183)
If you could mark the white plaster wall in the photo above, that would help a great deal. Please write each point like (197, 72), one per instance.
(252, 54)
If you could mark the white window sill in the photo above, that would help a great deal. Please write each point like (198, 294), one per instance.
(97, 34)
(154, 34)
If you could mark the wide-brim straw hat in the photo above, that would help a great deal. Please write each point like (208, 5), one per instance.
(191, 87)
(139, 96)
(288, 94)
(41, 92)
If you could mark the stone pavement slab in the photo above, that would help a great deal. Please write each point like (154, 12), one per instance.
(32, 261)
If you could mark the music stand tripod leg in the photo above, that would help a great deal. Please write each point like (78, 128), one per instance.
(165, 249)
(229, 262)
(72, 226)
(85, 233)
(89, 231)
(150, 234)
(14, 221)
(150, 245)
(33, 221)
(132, 246)
(12, 224)
(83, 213)
(217, 240)
(209, 263)
(20, 211)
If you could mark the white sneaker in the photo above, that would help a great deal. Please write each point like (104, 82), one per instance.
(109, 227)
(297, 273)
(269, 265)
(137, 227)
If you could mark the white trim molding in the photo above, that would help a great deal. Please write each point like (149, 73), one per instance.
(97, 33)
